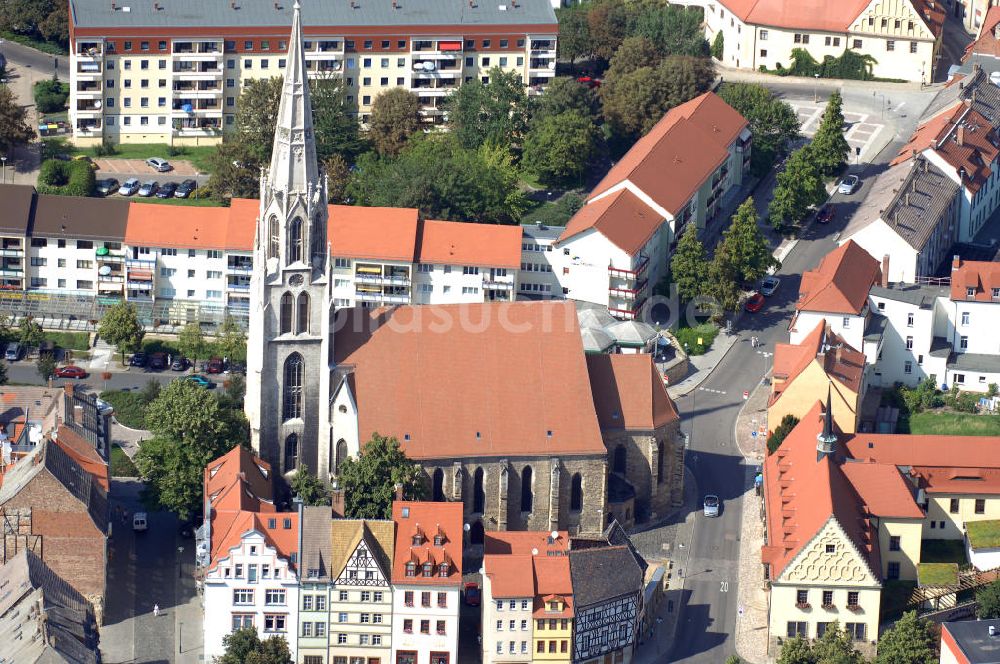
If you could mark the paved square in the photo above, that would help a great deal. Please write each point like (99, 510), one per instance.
(862, 128)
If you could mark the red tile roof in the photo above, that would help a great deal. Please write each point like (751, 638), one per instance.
(509, 554)
(629, 393)
(983, 276)
(815, 15)
(458, 243)
(456, 394)
(428, 519)
(383, 233)
(159, 225)
(509, 575)
(841, 282)
(621, 217)
(882, 489)
(685, 147)
(553, 581)
(524, 542)
(840, 362)
(80, 450)
(987, 42)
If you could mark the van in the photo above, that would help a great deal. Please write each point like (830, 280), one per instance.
(139, 522)
(13, 352)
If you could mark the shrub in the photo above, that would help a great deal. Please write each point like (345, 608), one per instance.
(780, 432)
(51, 96)
(107, 148)
(718, 45)
(121, 465)
(66, 178)
(688, 338)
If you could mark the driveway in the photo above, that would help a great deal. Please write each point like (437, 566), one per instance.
(138, 168)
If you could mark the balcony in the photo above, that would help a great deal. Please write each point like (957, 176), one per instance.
(640, 268)
(542, 66)
(318, 49)
(88, 127)
(238, 286)
(240, 268)
(625, 314)
(197, 90)
(368, 296)
(12, 252)
(89, 51)
(139, 285)
(198, 73)
(88, 70)
(433, 90)
(390, 280)
(89, 90)
(187, 108)
(501, 285)
(442, 48)
(324, 65)
(629, 293)
(543, 47)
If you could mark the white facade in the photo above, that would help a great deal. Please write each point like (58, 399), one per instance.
(250, 586)
(507, 627)
(425, 623)
(850, 327)
(976, 208)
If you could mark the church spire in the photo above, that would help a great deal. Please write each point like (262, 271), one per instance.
(827, 440)
(293, 160)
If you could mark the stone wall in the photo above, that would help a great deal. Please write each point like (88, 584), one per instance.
(658, 486)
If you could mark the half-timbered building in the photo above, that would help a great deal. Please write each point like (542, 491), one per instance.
(607, 591)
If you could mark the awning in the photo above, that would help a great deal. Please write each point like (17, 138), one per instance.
(370, 270)
(450, 46)
(140, 275)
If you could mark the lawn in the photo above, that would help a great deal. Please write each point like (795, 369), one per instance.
(43, 46)
(121, 465)
(954, 424)
(983, 534)
(937, 574)
(69, 340)
(942, 551)
(198, 155)
(130, 407)
(696, 340)
(190, 202)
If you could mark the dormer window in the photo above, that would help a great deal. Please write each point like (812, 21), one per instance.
(411, 569)
(443, 569)
(439, 540)
(553, 606)
(418, 539)
(428, 569)
(970, 291)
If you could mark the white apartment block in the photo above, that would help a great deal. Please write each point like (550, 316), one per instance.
(507, 622)
(172, 72)
(903, 36)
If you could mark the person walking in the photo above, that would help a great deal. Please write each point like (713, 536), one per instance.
(156, 610)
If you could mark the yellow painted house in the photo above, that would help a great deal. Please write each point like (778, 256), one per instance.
(804, 372)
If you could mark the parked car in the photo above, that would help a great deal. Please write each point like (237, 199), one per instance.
(71, 371)
(148, 188)
(768, 285)
(214, 366)
(107, 186)
(179, 364)
(158, 361)
(199, 380)
(589, 81)
(754, 303)
(159, 165)
(825, 214)
(83, 157)
(13, 352)
(472, 595)
(185, 189)
(711, 505)
(129, 187)
(139, 522)
(849, 185)
(138, 360)
(167, 190)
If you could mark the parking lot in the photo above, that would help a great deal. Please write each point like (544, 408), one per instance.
(138, 168)
(863, 129)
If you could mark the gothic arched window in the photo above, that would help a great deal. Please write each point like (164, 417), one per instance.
(620, 463)
(273, 237)
(291, 451)
(317, 236)
(527, 495)
(293, 387)
(438, 492)
(341, 455)
(286, 314)
(295, 240)
(576, 493)
(478, 493)
(303, 312)
(659, 464)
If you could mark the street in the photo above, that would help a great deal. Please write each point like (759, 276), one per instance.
(23, 372)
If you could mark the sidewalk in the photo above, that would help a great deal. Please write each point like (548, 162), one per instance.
(749, 76)
(23, 166)
(704, 364)
(751, 625)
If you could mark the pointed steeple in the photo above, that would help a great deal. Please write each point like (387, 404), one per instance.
(826, 441)
(293, 161)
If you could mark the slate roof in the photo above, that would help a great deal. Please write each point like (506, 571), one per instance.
(920, 296)
(317, 524)
(603, 573)
(972, 638)
(17, 201)
(976, 88)
(80, 217)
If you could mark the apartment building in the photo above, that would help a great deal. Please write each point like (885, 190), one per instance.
(426, 582)
(902, 37)
(171, 71)
(618, 246)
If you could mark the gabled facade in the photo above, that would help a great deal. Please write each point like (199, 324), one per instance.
(607, 593)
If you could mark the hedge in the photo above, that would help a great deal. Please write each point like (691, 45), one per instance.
(66, 178)
(51, 96)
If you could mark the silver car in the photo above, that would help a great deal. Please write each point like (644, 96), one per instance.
(149, 188)
(129, 187)
(712, 504)
(849, 185)
(768, 285)
(159, 165)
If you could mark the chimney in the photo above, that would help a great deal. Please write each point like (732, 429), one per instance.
(399, 490)
(885, 271)
(337, 501)
(975, 67)
(960, 135)
(956, 262)
(826, 441)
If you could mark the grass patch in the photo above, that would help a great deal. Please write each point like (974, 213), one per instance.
(70, 340)
(954, 424)
(190, 202)
(553, 213)
(937, 574)
(198, 155)
(983, 534)
(689, 338)
(121, 465)
(160, 346)
(35, 43)
(130, 407)
(942, 551)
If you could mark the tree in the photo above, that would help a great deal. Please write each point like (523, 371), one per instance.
(559, 148)
(14, 128)
(724, 281)
(607, 21)
(781, 432)
(395, 116)
(191, 341)
(51, 96)
(231, 340)
(836, 647)
(829, 146)
(746, 246)
(574, 33)
(718, 45)
(190, 429)
(369, 481)
(911, 640)
(46, 365)
(493, 113)
(244, 646)
(338, 178)
(636, 101)
(30, 332)
(121, 328)
(734, 659)
(308, 487)
(256, 118)
(799, 187)
(796, 651)
(634, 53)
(674, 29)
(335, 128)
(773, 123)
(689, 265)
(564, 94)
(988, 601)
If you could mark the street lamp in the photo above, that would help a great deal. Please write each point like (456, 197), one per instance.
(816, 89)
(180, 575)
(3, 169)
(766, 356)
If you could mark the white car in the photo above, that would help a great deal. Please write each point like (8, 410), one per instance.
(139, 522)
(712, 504)
(768, 285)
(129, 187)
(849, 185)
(159, 165)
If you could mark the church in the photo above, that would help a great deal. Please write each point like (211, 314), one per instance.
(497, 402)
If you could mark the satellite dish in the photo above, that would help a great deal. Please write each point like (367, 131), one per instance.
(534, 552)
(429, 66)
(466, 527)
(104, 270)
(554, 534)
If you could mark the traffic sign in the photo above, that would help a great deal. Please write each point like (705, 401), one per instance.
(746, 395)
(753, 434)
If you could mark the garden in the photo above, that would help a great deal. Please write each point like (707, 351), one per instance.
(927, 410)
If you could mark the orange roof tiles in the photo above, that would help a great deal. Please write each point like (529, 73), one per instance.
(509, 576)
(80, 450)
(429, 520)
(628, 392)
(685, 147)
(986, 43)
(480, 361)
(524, 541)
(961, 455)
(157, 225)
(883, 490)
(806, 15)
(982, 276)
(621, 217)
(373, 232)
(840, 361)
(841, 282)
(509, 554)
(553, 580)
(458, 243)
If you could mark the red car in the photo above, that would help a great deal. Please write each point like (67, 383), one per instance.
(70, 371)
(825, 215)
(589, 81)
(472, 593)
(755, 303)
(214, 366)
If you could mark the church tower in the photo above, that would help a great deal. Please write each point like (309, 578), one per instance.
(289, 342)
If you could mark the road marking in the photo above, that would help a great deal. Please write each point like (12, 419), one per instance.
(708, 389)
(723, 586)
